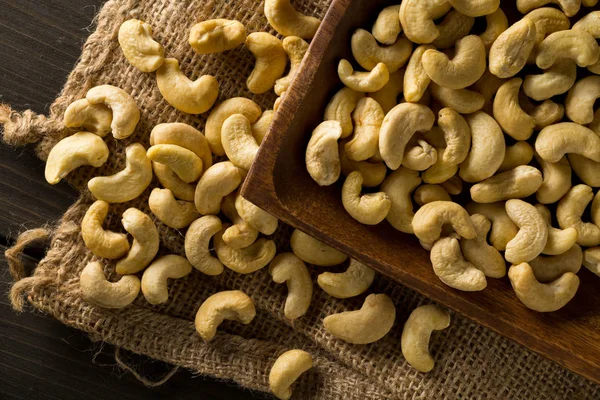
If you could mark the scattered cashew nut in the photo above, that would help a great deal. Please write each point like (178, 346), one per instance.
(479, 253)
(370, 208)
(322, 156)
(271, 61)
(246, 260)
(288, 268)
(174, 213)
(518, 183)
(450, 266)
(229, 107)
(143, 52)
(101, 292)
(216, 35)
(313, 251)
(286, 370)
(371, 81)
(233, 305)
(101, 242)
(430, 218)
(217, 182)
(124, 109)
(145, 242)
(196, 245)
(570, 210)
(352, 282)
(95, 118)
(154, 280)
(532, 236)
(284, 18)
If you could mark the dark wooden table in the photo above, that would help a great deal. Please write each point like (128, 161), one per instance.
(40, 41)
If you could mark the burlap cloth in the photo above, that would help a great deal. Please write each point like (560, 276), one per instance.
(471, 361)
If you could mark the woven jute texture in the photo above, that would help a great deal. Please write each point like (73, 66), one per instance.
(471, 361)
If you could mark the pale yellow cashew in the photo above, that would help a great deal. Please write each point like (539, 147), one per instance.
(398, 186)
(479, 253)
(101, 242)
(322, 155)
(518, 183)
(124, 109)
(554, 141)
(238, 141)
(416, 335)
(82, 148)
(313, 251)
(187, 165)
(475, 8)
(416, 79)
(216, 35)
(503, 229)
(246, 260)
(579, 104)
(145, 242)
(371, 81)
(549, 268)
(450, 266)
(520, 153)
(233, 305)
(429, 193)
(544, 114)
(95, 118)
(368, 53)
(542, 297)
(241, 234)
(296, 48)
(271, 60)
(197, 245)
(261, 220)
(229, 107)
(508, 112)
(340, 109)
(419, 155)
(496, 23)
(589, 24)
(261, 126)
(569, 7)
(547, 20)
(286, 370)
(185, 136)
(464, 69)
(487, 148)
(570, 210)
(370, 208)
(373, 172)
(352, 282)
(143, 52)
(192, 97)
(576, 45)
(288, 268)
(510, 51)
(169, 179)
(387, 25)
(387, 96)
(128, 183)
(453, 27)
(585, 169)
(591, 259)
(417, 16)
(176, 214)
(155, 278)
(555, 80)
(368, 117)
(430, 218)
(559, 240)
(532, 235)
(99, 291)
(557, 180)
(217, 182)
(284, 18)
(441, 171)
(367, 325)
(464, 101)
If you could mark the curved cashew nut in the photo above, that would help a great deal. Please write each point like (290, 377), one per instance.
(559, 240)
(398, 186)
(453, 27)
(416, 79)
(261, 220)
(284, 18)
(569, 7)
(197, 240)
(579, 104)
(186, 164)
(95, 118)
(103, 243)
(367, 325)
(286, 370)
(387, 96)
(503, 229)
(185, 136)
(544, 114)
(271, 61)
(169, 179)
(419, 155)
(176, 214)
(261, 126)
(464, 101)
(229, 107)
(479, 253)
(417, 333)
(520, 153)
(570, 210)
(340, 109)
(373, 172)
(441, 171)
(296, 48)
(352, 282)
(368, 53)
(510, 51)
(233, 305)
(477, 8)
(555, 80)
(542, 297)
(487, 148)
(124, 109)
(430, 218)
(496, 23)
(369, 209)
(371, 81)
(547, 20)
(532, 235)
(417, 16)
(143, 52)
(518, 183)
(429, 193)
(154, 280)
(217, 182)
(322, 154)
(589, 24)
(554, 141)
(313, 251)
(82, 148)
(576, 45)
(288, 268)
(591, 260)
(508, 112)
(367, 116)
(246, 260)
(241, 234)
(467, 66)
(97, 290)
(216, 35)
(145, 242)
(557, 180)
(549, 268)
(387, 25)
(585, 169)
(238, 141)
(450, 266)
(127, 184)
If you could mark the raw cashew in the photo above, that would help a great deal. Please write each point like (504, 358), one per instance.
(197, 245)
(585, 169)
(214, 123)
(450, 266)
(261, 220)
(398, 126)
(416, 335)
(579, 104)
(187, 165)
(569, 7)
(544, 114)
(503, 229)
(99, 291)
(465, 68)
(508, 112)
(518, 183)
(479, 253)
(371, 81)
(496, 23)
(387, 96)
(547, 20)
(185, 136)
(419, 155)
(296, 48)
(261, 126)
(370, 208)
(154, 280)
(570, 210)
(322, 155)
(464, 101)
(271, 61)
(368, 53)
(387, 25)
(143, 52)
(576, 45)
(217, 182)
(169, 179)
(542, 297)
(417, 16)
(241, 234)
(367, 116)
(284, 18)
(416, 79)
(340, 109)
(557, 180)
(520, 153)
(589, 23)
(373, 173)
(95, 118)
(367, 325)
(429, 193)
(591, 259)
(559, 240)
(288, 268)
(313, 251)
(82, 148)
(554, 141)
(124, 109)
(233, 305)
(216, 35)
(246, 260)
(398, 186)
(510, 51)
(532, 235)
(453, 27)
(103, 243)
(557, 79)
(430, 218)
(352, 282)
(549, 268)
(286, 370)
(174, 213)
(238, 142)
(145, 242)
(487, 148)
(127, 184)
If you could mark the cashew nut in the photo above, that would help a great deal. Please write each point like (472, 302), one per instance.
(417, 16)
(387, 25)
(367, 116)
(284, 18)
(557, 79)
(241, 234)
(368, 53)
(186, 164)
(322, 154)
(589, 24)
(585, 169)
(487, 148)
(429, 193)
(271, 60)
(233, 305)
(143, 52)
(475, 8)
(217, 182)
(373, 173)
(261, 126)
(95, 118)
(313, 251)
(261, 220)
(549, 268)
(238, 141)
(591, 259)
(557, 180)
(419, 155)
(576, 45)
(145, 242)
(453, 27)
(216, 35)
(387, 96)
(487, 86)
(185, 136)
(569, 7)
(429, 219)
(542, 297)
(547, 20)
(99, 291)
(532, 235)
(416, 79)
(479, 253)
(288, 268)
(503, 229)
(579, 104)
(368, 209)
(296, 48)
(286, 370)
(520, 153)
(464, 101)
(371, 81)
(398, 186)
(103, 243)
(246, 260)
(352, 282)
(340, 109)
(510, 51)
(124, 109)
(559, 240)
(154, 280)
(169, 179)
(544, 114)
(518, 183)
(570, 210)
(174, 213)
(197, 240)
(496, 23)
(450, 266)
(508, 112)
(82, 148)
(554, 141)
(214, 123)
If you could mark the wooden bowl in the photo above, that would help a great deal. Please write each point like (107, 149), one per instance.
(280, 184)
